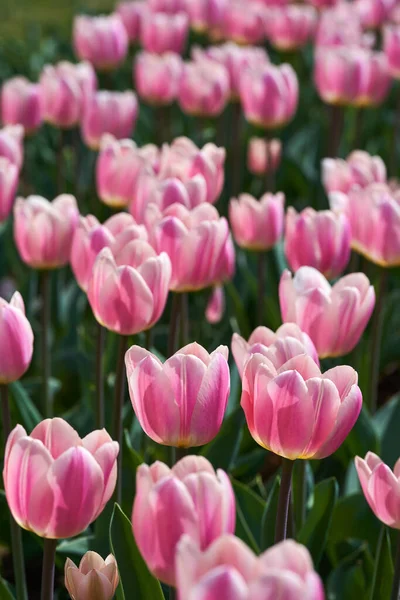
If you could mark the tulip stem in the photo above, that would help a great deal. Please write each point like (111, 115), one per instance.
(395, 139)
(16, 534)
(236, 148)
(396, 576)
(269, 173)
(46, 308)
(118, 407)
(358, 123)
(100, 420)
(261, 272)
(283, 502)
(376, 338)
(184, 314)
(49, 556)
(300, 499)
(336, 115)
(174, 324)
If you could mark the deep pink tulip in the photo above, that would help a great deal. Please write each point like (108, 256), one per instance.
(64, 89)
(257, 224)
(157, 77)
(334, 317)
(90, 237)
(188, 499)
(341, 25)
(269, 95)
(290, 27)
(21, 104)
(381, 487)
(323, 3)
(131, 13)
(94, 579)
(374, 13)
(351, 76)
(8, 186)
(128, 299)
(288, 341)
(207, 15)
(43, 230)
(263, 156)
(167, 6)
(181, 402)
(391, 47)
(102, 40)
(199, 245)
(374, 215)
(203, 88)
(108, 112)
(16, 337)
(163, 32)
(56, 483)
(216, 305)
(243, 26)
(319, 239)
(359, 169)
(12, 144)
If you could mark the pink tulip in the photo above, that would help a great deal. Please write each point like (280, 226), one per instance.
(43, 230)
(21, 104)
(359, 169)
(199, 245)
(351, 76)
(56, 483)
(157, 77)
(11, 144)
(64, 89)
(269, 95)
(8, 186)
(229, 569)
(263, 156)
(374, 13)
(323, 3)
(206, 15)
(16, 337)
(129, 299)
(290, 27)
(162, 32)
(243, 26)
(334, 317)
(341, 26)
(131, 13)
(167, 6)
(181, 402)
(288, 340)
(381, 487)
(90, 237)
(257, 224)
(204, 88)
(188, 499)
(95, 578)
(391, 47)
(319, 239)
(102, 40)
(216, 305)
(108, 112)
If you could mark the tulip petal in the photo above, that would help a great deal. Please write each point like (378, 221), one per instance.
(326, 403)
(95, 585)
(221, 582)
(384, 488)
(57, 435)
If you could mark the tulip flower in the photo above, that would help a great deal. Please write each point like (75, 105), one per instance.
(204, 88)
(16, 337)
(167, 6)
(131, 13)
(108, 112)
(290, 27)
(56, 483)
(334, 317)
(391, 47)
(181, 402)
(161, 32)
(11, 144)
(257, 224)
(102, 40)
(207, 15)
(319, 239)
(323, 3)
(188, 499)
(243, 26)
(263, 156)
(373, 13)
(359, 169)
(288, 340)
(157, 77)
(94, 578)
(8, 186)
(341, 25)
(216, 305)
(21, 104)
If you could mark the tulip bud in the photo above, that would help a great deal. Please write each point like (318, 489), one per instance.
(290, 27)
(216, 305)
(243, 26)
(204, 88)
(263, 156)
(391, 47)
(102, 40)
(94, 579)
(161, 32)
(21, 104)
(131, 13)
(257, 224)
(11, 144)
(359, 169)
(157, 77)
(17, 336)
(8, 186)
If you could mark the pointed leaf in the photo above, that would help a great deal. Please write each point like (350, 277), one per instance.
(383, 570)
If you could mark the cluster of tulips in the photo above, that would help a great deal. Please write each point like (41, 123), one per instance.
(166, 237)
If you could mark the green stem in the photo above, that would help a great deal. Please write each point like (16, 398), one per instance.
(174, 324)
(149, 338)
(300, 499)
(118, 406)
(358, 123)
(261, 272)
(394, 154)
(236, 148)
(376, 338)
(269, 173)
(184, 318)
(100, 419)
(46, 366)
(283, 502)
(336, 115)
(49, 555)
(172, 455)
(60, 162)
(396, 577)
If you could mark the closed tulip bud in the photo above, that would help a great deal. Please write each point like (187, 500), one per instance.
(243, 26)
(8, 186)
(206, 15)
(64, 89)
(16, 336)
(43, 230)
(341, 26)
(269, 95)
(204, 88)
(334, 317)
(162, 32)
(263, 156)
(21, 104)
(373, 13)
(177, 501)
(56, 483)
(290, 27)
(319, 239)
(257, 224)
(288, 340)
(108, 112)
(359, 169)
(216, 305)
(94, 579)
(157, 77)
(11, 144)
(131, 13)
(391, 47)
(167, 6)
(102, 40)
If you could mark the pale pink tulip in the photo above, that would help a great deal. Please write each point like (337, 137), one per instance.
(181, 402)
(374, 13)
(43, 230)
(257, 224)
(188, 499)
(288, 341)
(16, 337)
(243, 26)
(263, 156)
(216, 305)
(157, 77)
(101, 40)
(21, 104)
(359, 169)
(207, 15)
(131, 13)
(11, 144)
(204, 88)
(391, 47)
(341, 25)
(290, 27)
(334, 317)
(162, 32)
(108, 112)
(56, 483)
(8, 186)
(95, 578)
(167, 6)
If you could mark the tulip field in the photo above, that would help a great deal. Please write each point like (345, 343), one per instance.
(199, 300)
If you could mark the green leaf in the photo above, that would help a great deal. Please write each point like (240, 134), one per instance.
(29, 414)
(250, 509)
(130, 462)
(363, 437)
(269, 517)
(223, 450)
(5, 592)
(136, 580)
(314, 533)
(383, 571)
(387, 422)
(351, 578)
(77, 546)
